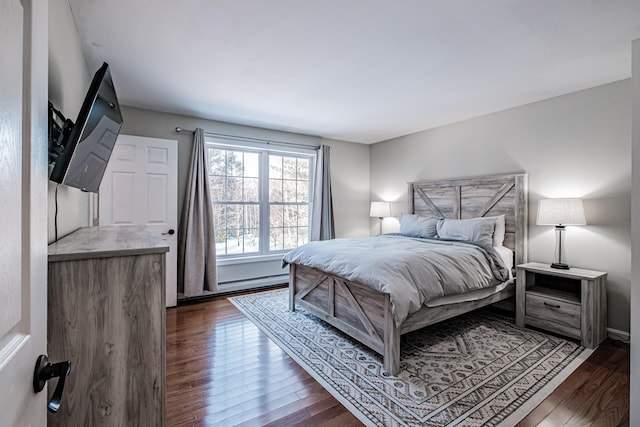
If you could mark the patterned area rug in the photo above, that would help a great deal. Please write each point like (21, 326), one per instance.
(477, 369)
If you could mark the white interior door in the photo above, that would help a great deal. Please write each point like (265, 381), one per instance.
(23, 186)
(140, 187)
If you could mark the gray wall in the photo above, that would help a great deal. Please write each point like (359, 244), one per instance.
(349, 161)
(577, 145)
(69, 79)
(634, 403)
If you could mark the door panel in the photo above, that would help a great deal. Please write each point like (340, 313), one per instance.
(157, 199)
(23, 168)
(121, 210)
(140, 187)
(10, 156)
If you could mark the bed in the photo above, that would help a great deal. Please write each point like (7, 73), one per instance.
(367, 314)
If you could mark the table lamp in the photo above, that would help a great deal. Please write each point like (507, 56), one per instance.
(560, 212)
(380, 210)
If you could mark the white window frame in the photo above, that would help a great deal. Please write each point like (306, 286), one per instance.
(264, 251)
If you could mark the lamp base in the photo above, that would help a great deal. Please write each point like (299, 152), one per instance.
(559, 258)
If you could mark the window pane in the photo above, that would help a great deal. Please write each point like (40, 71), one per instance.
(216, 184)
(217, 161)
(252, 216)
(252, 240)
(234, 241)
(303, 235)
(303, 216)
(303, 169)
(290, 216)
(290, 237)
(234, 163)
(288, 191)
(275, 190)
(276, 235)
(221, 247)
(251, 165)
(275, 167)
(289, 167)
(302, 191)
(219, 226)
(251, 190)
(275, 216)
(219, 218)
(235, 216)
(233, 190)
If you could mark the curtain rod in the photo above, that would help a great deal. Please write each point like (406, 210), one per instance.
(246, 138)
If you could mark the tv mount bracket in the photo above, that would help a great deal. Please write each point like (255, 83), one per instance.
(59, 129)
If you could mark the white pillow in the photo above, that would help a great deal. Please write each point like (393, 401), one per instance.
(498, 233)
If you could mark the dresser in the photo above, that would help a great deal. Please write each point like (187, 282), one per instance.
(106, 314)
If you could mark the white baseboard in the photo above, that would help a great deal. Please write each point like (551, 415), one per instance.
(243, 285)
(618, 335)
(252, 283)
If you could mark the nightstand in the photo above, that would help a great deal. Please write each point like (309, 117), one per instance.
(569, 302)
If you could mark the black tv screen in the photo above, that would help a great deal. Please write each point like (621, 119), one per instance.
(89, 145)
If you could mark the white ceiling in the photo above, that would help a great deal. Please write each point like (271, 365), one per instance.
(355, 70)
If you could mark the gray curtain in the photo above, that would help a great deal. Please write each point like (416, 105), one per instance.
(322, 227)
(196, 238)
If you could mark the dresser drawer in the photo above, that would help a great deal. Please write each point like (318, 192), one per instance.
(553, 314)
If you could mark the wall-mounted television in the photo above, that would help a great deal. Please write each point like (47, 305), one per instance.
(83, 149)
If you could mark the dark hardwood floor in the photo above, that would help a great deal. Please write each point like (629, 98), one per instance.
(223, 371)
(595, 394)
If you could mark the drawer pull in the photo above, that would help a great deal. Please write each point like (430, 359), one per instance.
(551, 305)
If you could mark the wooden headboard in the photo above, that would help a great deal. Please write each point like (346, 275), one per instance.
(477, 197)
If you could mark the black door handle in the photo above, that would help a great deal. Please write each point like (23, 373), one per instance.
(171, 232)
(43, 372)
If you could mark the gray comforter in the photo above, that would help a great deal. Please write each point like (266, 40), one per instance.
(412, 270)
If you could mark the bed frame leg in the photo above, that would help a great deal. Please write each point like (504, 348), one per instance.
(391, 354)
(392, 362)
(292, 287)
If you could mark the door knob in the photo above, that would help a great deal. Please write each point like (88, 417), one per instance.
(43, 372)
(171, 232)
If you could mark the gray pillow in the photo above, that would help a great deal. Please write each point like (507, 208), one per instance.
(476, 230)
(418, 226)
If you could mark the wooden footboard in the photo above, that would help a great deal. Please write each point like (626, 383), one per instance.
(353, 308)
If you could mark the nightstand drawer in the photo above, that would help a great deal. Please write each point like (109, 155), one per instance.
(553, 314)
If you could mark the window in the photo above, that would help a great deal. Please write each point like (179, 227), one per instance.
(261, 199)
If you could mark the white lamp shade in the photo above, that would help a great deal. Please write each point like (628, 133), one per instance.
(561, 212)
(380, 209)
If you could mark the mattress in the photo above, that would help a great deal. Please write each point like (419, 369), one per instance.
(507, 256)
